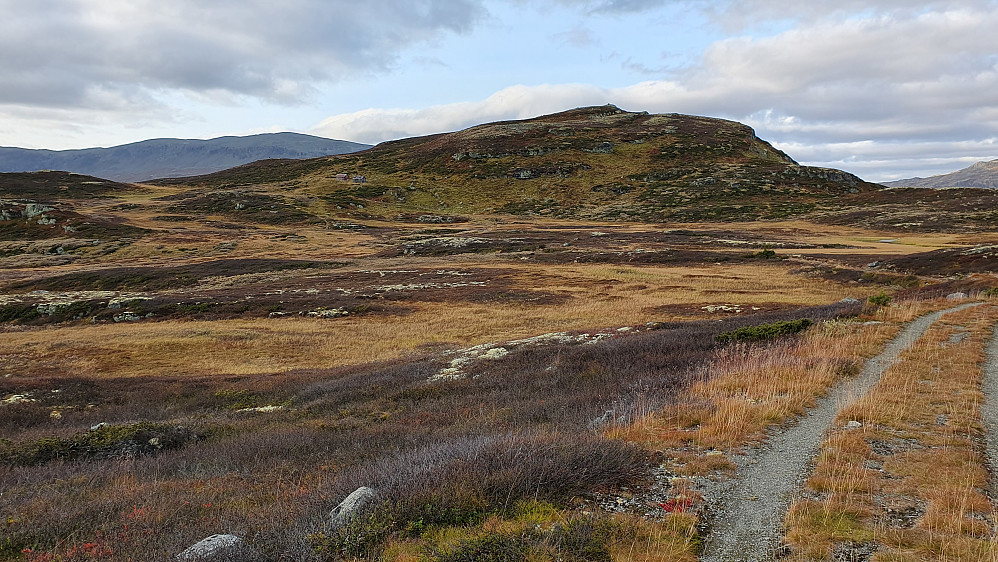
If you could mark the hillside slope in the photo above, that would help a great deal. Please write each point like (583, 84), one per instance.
(595, 163)
(159, 158)
(981, 175)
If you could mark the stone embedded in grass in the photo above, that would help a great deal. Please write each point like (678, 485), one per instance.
(127, 317)
(358, 501)
(853, 424)
(215, 547)
(956, 296)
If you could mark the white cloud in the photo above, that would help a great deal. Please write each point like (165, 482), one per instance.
(921, 82)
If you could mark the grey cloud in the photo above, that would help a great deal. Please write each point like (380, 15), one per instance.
(62, 53)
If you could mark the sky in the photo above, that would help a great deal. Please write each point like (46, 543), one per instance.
(885, 89)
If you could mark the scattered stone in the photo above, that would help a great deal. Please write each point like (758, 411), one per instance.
(853, 424)
(849, 300)
(875, 264)
(956, 296)
(98, 426)
(215, 547)
(854, 551)
(601, 421)
(328, 313)
(359, 500)
(17, 399)
(55, 415)
(127, 317)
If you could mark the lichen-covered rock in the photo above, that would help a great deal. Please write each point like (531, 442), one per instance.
(215, 547)
(357, 502)
(956, 296)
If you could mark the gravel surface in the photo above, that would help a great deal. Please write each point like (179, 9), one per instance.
(989, 410)
(748, 524)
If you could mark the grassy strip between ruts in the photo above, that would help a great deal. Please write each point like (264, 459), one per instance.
(908, 483)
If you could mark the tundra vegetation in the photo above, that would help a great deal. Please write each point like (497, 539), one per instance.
(238, 353)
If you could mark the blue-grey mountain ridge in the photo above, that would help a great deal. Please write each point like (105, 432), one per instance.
(163, 158)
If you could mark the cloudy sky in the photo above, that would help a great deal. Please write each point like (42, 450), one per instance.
(881, 88)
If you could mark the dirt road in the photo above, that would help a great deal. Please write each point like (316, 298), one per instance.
(748, 524)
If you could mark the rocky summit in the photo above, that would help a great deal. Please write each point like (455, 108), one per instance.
(593, 163)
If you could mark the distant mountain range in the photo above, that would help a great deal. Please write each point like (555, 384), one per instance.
(982, 174)
(163, 158)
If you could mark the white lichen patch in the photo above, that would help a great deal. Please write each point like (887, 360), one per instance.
(465, 358)
(327, 313)
(419, 286)
(262, 409)
(17, 399)
(494, 353)
(729, 308)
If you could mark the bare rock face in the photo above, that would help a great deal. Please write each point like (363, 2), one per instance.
(354, 504)
(215, 547)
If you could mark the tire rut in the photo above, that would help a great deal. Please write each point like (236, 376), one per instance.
(989, 410)
(749, 520)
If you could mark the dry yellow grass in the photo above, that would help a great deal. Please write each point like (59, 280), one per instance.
(750, 388)
(915, 454)
(600, 297)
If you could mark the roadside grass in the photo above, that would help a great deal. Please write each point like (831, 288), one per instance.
(747, 388)
(909, 482)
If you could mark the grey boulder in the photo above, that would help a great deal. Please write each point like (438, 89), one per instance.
(215, 547)
(357, 502)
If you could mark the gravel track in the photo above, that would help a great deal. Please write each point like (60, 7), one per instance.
(989, 410)
(748, 524)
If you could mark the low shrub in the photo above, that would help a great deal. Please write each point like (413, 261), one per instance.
(882, 299)
(108, 441)
(766, 331)
(765, 254)
(459, 484)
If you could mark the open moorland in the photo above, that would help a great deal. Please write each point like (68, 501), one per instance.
(568, 338)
